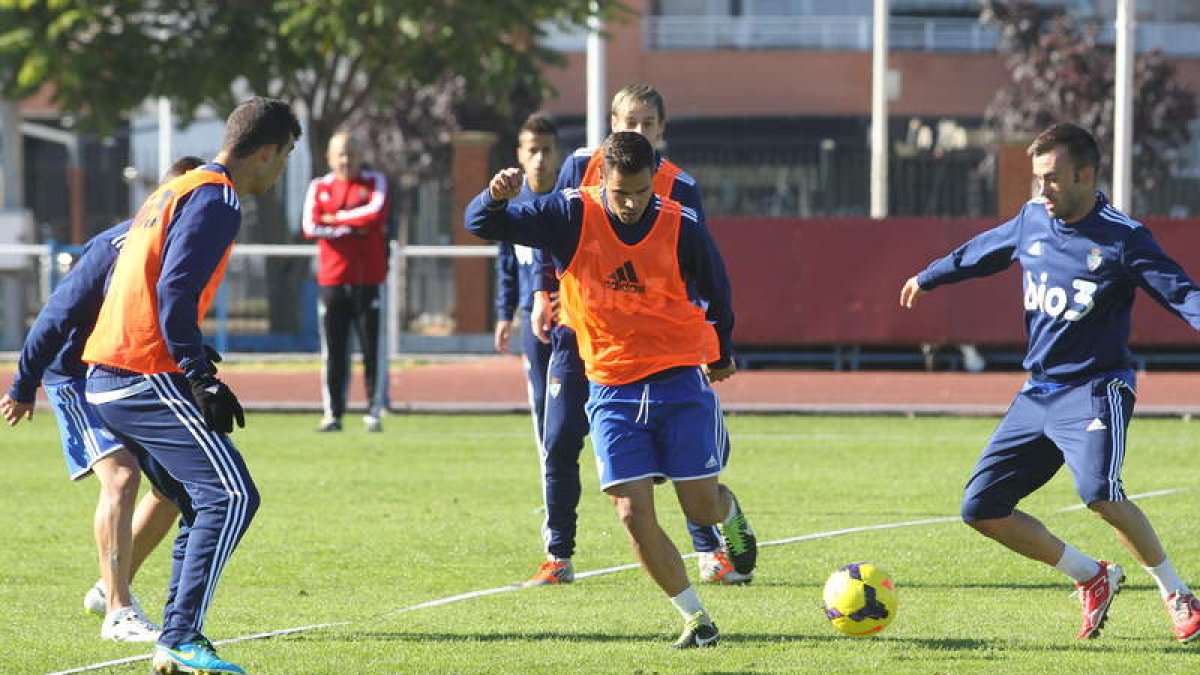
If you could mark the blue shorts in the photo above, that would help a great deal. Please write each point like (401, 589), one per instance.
(1080, 425)
(664, 429)
(84, 438)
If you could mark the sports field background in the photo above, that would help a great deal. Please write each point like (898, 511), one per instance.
(358, 530)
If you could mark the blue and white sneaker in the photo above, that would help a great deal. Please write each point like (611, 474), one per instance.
(197, 656)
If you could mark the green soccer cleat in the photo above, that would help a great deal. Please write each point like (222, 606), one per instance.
(739, 539)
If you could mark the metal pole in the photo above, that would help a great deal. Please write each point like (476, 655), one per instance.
(879, 135)
(596, 105)
(395, 281)
(165, 129)
(393, 300)
(1122, 195)
(12, 191)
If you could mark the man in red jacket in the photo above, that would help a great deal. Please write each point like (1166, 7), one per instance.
(346, 211)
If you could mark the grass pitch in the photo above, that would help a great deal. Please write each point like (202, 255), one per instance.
(356, 529)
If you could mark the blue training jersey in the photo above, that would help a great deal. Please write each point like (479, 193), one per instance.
(1078, 283)
(54, 345)
(554, 222)
(685, 190)
(515, 270)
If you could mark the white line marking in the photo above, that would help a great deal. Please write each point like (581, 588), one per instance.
(1144, 495)
(582, 575)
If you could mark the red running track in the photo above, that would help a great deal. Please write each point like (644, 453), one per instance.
(497, 383)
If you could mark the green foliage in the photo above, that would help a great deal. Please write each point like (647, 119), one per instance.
(356, 527)
(99, 61)
(335, 57)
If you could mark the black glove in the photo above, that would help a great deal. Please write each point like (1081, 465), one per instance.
(213, 356)
(201, 367)
(217, 402)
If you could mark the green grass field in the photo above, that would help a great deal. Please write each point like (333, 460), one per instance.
(356, 528)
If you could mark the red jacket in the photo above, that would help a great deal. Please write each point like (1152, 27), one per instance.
(353, 248)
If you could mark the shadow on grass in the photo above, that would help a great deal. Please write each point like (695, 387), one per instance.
(1063, 586)
(920, 648)
(403, 636)
(655, 638)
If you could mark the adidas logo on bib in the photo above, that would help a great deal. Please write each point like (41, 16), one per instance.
(1096, 425)
(625, 279)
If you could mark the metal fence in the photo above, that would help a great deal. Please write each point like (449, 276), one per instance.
(853, 32)
(834, 181)
(268, 301)
(815, 181)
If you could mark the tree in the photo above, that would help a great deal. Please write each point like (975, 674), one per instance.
(337, 59)
(1061, 72)
(402, 70)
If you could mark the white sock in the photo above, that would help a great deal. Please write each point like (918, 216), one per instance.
(1077, 565)
(687, 602)
(1167, 578)
(553, 558)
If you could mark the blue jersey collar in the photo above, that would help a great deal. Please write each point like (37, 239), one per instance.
(1087, 219)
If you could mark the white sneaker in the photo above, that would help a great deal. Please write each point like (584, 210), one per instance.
(96, 601)
(128, 625)
(372, 424)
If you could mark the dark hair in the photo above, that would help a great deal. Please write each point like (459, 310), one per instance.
(1080, 144)
(257, 123)
(539, 124)
(182, 166)
(639, 93)
(628, 152)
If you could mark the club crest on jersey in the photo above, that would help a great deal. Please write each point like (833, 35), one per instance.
(1094, 259)
(555, 387)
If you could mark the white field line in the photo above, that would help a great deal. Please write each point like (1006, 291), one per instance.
(438, 602)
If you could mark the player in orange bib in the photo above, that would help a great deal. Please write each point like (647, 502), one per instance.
(626, 260)
(640, 108)
(152, 382)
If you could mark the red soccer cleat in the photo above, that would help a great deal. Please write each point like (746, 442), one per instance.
(1096, 594)
(1184, 609)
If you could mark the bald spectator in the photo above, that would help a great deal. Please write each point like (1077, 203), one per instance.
(346, 211)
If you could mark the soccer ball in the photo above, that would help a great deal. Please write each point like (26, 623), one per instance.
(859, 599)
